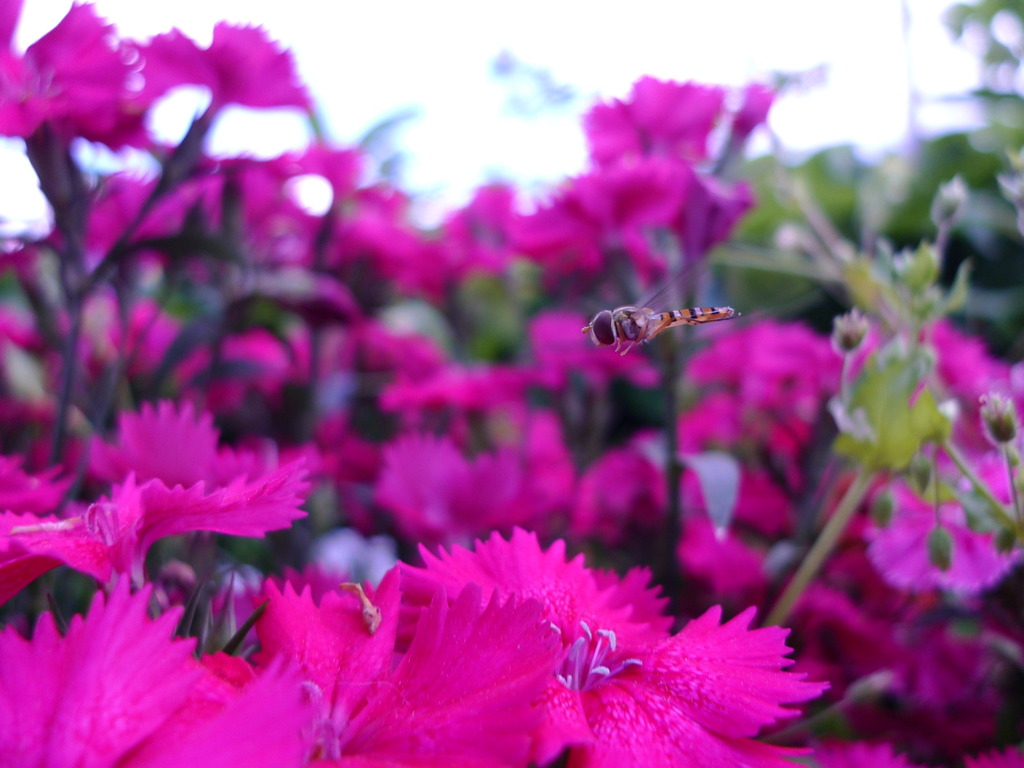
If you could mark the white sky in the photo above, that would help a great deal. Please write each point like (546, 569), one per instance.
(364, 61)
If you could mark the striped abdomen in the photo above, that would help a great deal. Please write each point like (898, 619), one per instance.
(696, 316)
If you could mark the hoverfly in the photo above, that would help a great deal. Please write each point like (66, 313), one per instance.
(635, 325)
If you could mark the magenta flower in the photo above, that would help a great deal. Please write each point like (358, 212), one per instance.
(730, 569)
(609, 210)
(437, 495)
(842, 640)
(149, 334)
(261, 363)
(709, 212)
(173, 444)
(1007, 758)
(22, 492)
(625, 691)
(77, 78)
(620, 496)
(117, 690)
(562, 353)
(900, 550)
(773, 381)
(453, 389)
(660, 118)
(341, 168)
(753, 111)
(112, 536)
(463, 691)
(116, 204)
(775, 368)
(859, 754)
(936, 673)
(477, 237)
(242, 66)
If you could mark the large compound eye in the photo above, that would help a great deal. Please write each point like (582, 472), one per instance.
(601, 332)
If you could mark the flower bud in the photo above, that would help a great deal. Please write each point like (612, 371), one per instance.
(919, 473)
(1006, 540)
(848, 331)
(918, 269)
(940, 548)
(949, 201)
(999, 417)
(882, 508)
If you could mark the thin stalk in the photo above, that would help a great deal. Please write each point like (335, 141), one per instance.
(821, 548)
(670, 574)
(68, 376)
(1014, 493)
(997, 506)
(673, 362)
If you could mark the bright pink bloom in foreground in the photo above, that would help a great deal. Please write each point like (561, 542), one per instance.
(463, 691)
(117, 690)
(242, 66)
(112, 537)
(626, 692)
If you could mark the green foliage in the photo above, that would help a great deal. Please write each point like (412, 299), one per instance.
(894, 420)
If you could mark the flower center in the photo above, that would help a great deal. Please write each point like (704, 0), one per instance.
(103, 522)
(323, 735)
(589, 661)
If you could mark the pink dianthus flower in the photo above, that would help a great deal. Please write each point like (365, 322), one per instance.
(625, 692)
(116, 690)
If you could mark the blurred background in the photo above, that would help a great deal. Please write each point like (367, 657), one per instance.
(878, 104)
(479, 91)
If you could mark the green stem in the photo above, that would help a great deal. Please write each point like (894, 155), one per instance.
(1014, 493)
(1005, 518)
(68, 377)
(670, 576)
(821, 548)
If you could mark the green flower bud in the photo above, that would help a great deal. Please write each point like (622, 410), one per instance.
(999, 417)
(918, 269)
(940, 548)
(1006, 540)
(949, 201)
(919, 473)
(882, 508)
(848, 331)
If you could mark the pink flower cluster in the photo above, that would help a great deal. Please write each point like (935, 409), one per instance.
(302, 487)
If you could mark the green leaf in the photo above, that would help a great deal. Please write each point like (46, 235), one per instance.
(868, 289)
(918, 269)
(898, 427)
(719, 476)
(235, 643)
(957, 296)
